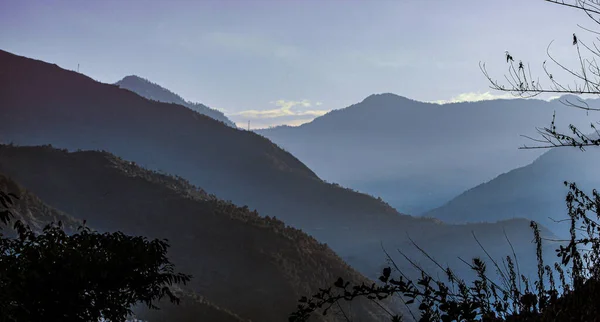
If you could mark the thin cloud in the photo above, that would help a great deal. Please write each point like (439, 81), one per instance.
(252, 44)
(487, 96)
(285, 108)
(288, 112)
(389, 59)
(475, 97)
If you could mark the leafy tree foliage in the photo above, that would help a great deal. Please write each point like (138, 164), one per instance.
(6, 202)
(85, 276)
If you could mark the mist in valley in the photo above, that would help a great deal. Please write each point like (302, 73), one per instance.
(300, 161)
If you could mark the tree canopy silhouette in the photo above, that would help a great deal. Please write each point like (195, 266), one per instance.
(84, 276)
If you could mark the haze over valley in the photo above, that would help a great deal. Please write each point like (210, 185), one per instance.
(223, 168)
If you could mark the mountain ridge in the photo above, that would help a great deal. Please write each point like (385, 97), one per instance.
(535, 191)
(77, 113)
(210, 238)
(74, 112)
(153, 91)
(419, 155)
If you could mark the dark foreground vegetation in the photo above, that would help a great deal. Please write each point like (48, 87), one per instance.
(84, 276)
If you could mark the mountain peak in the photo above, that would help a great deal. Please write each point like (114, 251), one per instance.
(384, 98)
(153, 91)
(150, 90)
(134, 78)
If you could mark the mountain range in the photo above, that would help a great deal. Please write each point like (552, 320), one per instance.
(71, 111)
(152, 91)
(535, 191)
(418, 155)
(209, 162)
(221, 245)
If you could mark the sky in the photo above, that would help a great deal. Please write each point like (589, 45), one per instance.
(289, 61)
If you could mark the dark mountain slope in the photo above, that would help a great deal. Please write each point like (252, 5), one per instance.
(418, 155)
(535, 191)
(253, 266)
(192, 308)
(115, 194)
(45, 104)
(152, 91)
(32, 211)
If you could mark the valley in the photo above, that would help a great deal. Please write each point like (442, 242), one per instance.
(262, 218)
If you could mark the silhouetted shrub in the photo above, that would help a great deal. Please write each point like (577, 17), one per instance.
(85, 276)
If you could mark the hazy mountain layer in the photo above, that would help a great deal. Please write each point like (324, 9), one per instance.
(149, 90)
(535, 191)
(69, 110)
(417, 155)
(117, 195)
(253, 266)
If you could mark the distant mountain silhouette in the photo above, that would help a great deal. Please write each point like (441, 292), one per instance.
(253, 266)
(418, 155)
(535, 191)
(149, 90)
(46, 104)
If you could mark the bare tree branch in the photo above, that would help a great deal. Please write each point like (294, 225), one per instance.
(585, 78)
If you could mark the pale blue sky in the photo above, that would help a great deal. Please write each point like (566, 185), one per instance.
(287, 61)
